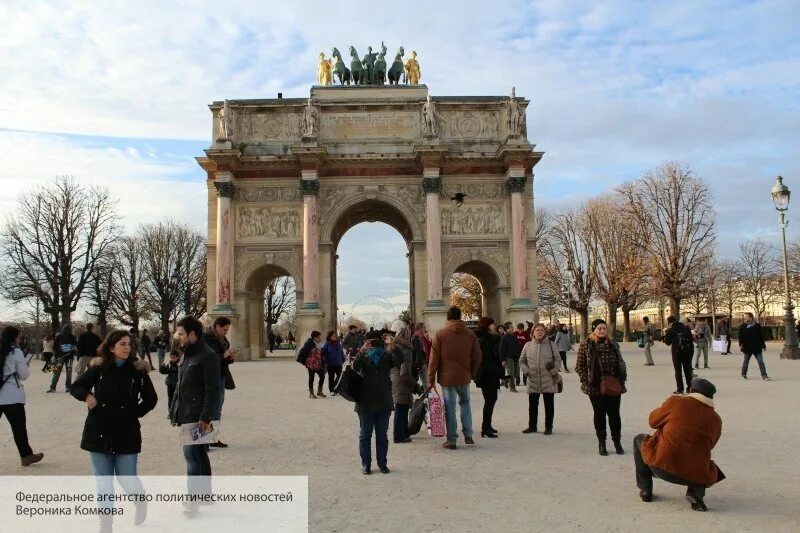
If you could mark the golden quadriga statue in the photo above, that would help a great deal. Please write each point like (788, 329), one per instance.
(324, 76)
(412, 69)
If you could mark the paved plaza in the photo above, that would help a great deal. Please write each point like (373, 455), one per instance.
(514, 483)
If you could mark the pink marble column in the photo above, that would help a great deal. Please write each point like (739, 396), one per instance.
(224, 274)
(310, 188)
(432, 185)
(519, 238)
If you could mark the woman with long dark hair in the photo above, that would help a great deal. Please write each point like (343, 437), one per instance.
(12, 395)
(489, 373)
(47, 352)
(118, 392)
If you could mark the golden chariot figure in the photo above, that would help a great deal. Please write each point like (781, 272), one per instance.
(324, 75)
(413, 73)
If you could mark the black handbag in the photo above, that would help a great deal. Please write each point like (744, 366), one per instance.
(416, 416)
(349, 385)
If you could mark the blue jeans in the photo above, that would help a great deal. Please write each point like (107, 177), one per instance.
(450, 393)
(218, 412)
(123, 466)
(161, 353)
(198, 469)
(379, 422)
(759, 358)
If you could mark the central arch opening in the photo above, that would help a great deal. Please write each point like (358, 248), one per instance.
(372, 266)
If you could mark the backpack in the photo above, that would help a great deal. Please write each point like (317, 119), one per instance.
(684, 341)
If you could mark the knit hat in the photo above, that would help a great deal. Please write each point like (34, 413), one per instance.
(704, 387)
(596, 322)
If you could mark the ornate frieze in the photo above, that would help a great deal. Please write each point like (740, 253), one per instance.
(268, 222)
(478, 221)
(267, 194)
(477, 190)
(225, 189)
(471, 125)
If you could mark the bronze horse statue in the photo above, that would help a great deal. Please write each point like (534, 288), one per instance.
(380, 67)
(339, 69)
(397, 70)
(358, 72)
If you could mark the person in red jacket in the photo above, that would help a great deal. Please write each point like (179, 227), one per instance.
(523, 337)
(687, 429)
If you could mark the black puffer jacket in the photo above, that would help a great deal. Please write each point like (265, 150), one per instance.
(491, 370)
(375, 395)
(124, 394)
(198, 388)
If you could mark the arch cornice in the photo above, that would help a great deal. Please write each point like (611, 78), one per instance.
(248, 264)
(497, 259)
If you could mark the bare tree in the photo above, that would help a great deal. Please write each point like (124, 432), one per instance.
(280, 300)
(574, 256)
(159, 242)
(52, 245)
(673, 211)
(729, 284)
(128, 295)
(616, 265)
(542, 229)
(466, 294)
(191, 270)
(761, 284)
(101, 293)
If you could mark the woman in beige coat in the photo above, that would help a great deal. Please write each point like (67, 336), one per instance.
(541, 363)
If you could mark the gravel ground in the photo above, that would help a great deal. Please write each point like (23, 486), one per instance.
(514, 483)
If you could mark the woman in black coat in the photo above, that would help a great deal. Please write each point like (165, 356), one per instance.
(489, 373)
(374, 405)
(118, 392)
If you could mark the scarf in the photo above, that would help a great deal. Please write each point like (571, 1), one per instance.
(375, 355)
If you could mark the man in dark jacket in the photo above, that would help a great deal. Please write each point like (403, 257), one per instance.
(751, 341)
(350, 342)
(509, 355)
(679, 338)
(88, 343)
(64, 350)
(162, 343)
(216, 339)
(196, 398)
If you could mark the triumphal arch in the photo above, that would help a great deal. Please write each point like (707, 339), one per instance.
(287, 177)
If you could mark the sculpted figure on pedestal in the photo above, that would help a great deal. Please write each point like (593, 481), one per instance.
(310, 120)
(225, 117)
(514, 115)
(429, 118)
(324, 70)
(413, 73)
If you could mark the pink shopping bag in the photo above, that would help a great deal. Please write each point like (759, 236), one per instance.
(436, 424)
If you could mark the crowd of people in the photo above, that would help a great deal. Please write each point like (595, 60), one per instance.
(402, 360)
(395, 364)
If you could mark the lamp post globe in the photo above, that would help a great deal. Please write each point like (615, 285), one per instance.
(780, 197)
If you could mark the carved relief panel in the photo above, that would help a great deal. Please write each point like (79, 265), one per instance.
(477, 221)
(471, 125)
(269, 127)
(268, 194)
(268, 222)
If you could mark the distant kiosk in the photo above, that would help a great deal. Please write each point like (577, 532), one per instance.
(288, 177)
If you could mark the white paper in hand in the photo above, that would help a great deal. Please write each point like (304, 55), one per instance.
(190, 434)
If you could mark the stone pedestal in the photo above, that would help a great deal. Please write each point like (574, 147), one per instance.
(308, 320)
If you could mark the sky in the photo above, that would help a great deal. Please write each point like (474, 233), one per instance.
(116, 93)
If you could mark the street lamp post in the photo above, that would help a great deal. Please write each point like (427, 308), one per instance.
(780, 197)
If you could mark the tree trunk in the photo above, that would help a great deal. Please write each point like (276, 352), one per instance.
(102, 322)
(612, 321)
(675, 307)
(66, 317)
(584, 331)
(626, 325)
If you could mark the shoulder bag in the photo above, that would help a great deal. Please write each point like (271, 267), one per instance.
(349, 385)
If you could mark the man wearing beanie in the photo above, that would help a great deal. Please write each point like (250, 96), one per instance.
(687, 429)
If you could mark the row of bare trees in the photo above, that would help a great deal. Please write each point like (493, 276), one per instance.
(641, 243)
(64, 247)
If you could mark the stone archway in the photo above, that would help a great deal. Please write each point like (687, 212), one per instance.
(494, 293)
(283, 188)
(349, 213)
(252, 295)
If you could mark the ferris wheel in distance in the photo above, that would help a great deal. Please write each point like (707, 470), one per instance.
(387, 311)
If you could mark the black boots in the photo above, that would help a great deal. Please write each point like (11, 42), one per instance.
(601, 446)
(618, 445)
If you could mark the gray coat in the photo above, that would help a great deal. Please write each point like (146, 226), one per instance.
(402, 379)
(563, 343)
(534, 362)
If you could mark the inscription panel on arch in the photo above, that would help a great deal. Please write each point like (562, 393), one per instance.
(369, 125)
